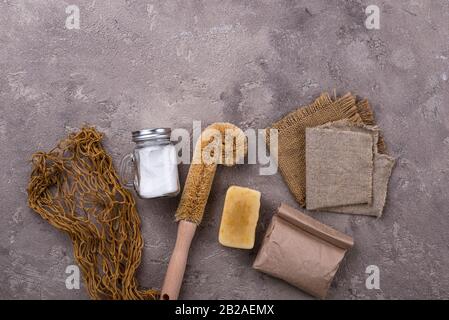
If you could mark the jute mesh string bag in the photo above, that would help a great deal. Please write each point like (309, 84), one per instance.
(77, 190)
(292, 131)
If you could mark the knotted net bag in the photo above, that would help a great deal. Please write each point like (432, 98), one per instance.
(77, 190)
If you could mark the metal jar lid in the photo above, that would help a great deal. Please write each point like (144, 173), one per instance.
(151, 134)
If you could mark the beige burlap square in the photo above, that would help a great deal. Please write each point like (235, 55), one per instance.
(339, 167)
(382, 168)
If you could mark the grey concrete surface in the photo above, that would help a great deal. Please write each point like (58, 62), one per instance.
(139, 64)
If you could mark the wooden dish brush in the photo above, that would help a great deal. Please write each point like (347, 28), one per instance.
(220, 143)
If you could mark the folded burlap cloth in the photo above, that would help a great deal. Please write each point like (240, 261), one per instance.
(292, 134)
(339, 167)
(345, 173)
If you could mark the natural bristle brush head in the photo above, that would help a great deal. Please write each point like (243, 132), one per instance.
(219, 143)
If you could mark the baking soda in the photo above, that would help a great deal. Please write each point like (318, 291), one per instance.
(157, 171)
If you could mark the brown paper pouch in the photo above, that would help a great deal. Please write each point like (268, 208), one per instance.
(302, 251)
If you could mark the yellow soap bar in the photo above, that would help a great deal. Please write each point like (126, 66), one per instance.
(239, 219)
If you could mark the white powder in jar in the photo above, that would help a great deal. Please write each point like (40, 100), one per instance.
(157, 171)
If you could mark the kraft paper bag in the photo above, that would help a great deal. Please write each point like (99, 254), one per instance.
(302, 251)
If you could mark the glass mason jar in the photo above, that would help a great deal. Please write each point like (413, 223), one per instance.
(152, 168)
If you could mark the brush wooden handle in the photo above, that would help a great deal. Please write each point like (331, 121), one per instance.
(177, 265)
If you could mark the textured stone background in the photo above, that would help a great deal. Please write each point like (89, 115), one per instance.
(140, 64)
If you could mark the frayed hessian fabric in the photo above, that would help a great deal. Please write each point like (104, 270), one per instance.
(292, 134)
